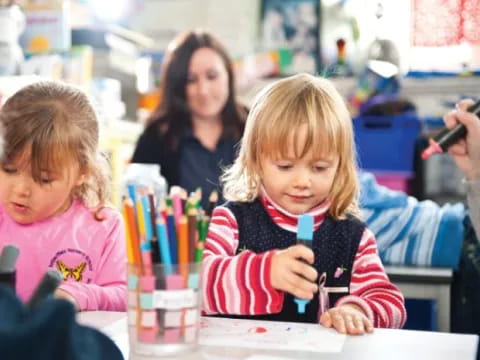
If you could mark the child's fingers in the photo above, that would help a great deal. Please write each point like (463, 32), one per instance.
(304, 270)
(368, 325)
(359, 325)
(355, 324)
(343, 323)
(297, 292)
(326, 319)
(299, 287)
(301, 252)
(352, 326)
(346, 321)
(339, 323)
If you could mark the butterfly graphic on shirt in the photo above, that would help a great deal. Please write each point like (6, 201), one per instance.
(74, 273)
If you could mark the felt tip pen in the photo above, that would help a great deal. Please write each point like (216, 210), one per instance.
(8, 259)
(46, 287)
(304, 237)
(447, 137)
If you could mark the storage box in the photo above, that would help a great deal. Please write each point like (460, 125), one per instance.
(395, 181)
(422, 315)
(387, 143)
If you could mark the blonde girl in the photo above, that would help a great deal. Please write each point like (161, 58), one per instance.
(297, 156)
(54, 188)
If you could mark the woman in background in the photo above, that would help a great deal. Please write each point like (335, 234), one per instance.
(193, 132)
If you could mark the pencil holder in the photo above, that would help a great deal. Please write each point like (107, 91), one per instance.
(163, 308)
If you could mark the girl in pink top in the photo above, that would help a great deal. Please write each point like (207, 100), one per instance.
(54, 185)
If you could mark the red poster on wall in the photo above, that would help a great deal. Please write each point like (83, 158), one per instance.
(445, 22)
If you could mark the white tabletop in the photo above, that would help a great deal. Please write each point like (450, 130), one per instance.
(382, 344)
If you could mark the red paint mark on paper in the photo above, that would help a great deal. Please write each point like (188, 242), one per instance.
(257, 330)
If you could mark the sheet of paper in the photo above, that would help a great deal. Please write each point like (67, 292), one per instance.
(266, 357)
(254, 334)
(117, 331)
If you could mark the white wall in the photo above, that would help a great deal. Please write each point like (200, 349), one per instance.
(234, 22)
(393, 25)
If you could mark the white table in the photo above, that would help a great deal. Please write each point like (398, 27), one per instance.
(425, 283)
(382, 344)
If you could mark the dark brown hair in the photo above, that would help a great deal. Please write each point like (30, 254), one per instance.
(172, 116)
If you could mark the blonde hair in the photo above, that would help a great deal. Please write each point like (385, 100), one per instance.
(57, 123)
(275, 117)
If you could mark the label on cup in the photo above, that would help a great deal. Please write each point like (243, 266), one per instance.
(174, 299)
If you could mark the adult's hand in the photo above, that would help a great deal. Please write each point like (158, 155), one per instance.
(466, 152)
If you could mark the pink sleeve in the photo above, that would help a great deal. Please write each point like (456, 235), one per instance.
(108, 290)
(235, 284)
(371, 289)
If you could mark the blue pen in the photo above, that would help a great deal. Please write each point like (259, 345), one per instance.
(304, 237)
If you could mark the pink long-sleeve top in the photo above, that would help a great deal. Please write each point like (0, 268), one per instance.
(89, 253)
(233, 285)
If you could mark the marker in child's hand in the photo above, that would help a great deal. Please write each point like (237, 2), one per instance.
(8, 259)
(448, 137)
(46, 287)
(304, 237)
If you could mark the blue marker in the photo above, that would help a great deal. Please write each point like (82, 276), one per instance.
(304, 237)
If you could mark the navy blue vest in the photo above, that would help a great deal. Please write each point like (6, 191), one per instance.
(335, 245)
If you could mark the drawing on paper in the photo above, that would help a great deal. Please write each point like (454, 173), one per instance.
(269, 335)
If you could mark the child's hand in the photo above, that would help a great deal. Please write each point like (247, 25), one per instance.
(60, 294)
(290, 274)
(349, 319)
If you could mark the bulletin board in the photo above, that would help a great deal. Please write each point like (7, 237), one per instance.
(294, 25)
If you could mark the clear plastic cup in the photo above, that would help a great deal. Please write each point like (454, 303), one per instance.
(163, 309)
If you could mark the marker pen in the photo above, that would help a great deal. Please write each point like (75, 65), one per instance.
(448, 137)
(8, 259)
(48, 284)
(304, 237)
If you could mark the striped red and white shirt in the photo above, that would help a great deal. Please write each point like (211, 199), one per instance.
(240, 284)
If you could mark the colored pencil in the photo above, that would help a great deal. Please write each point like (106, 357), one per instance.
(183, 240)
(132, 230)
(172, 235)
(164, 244)
(128, 235)
(193, 234)
(155, 248)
